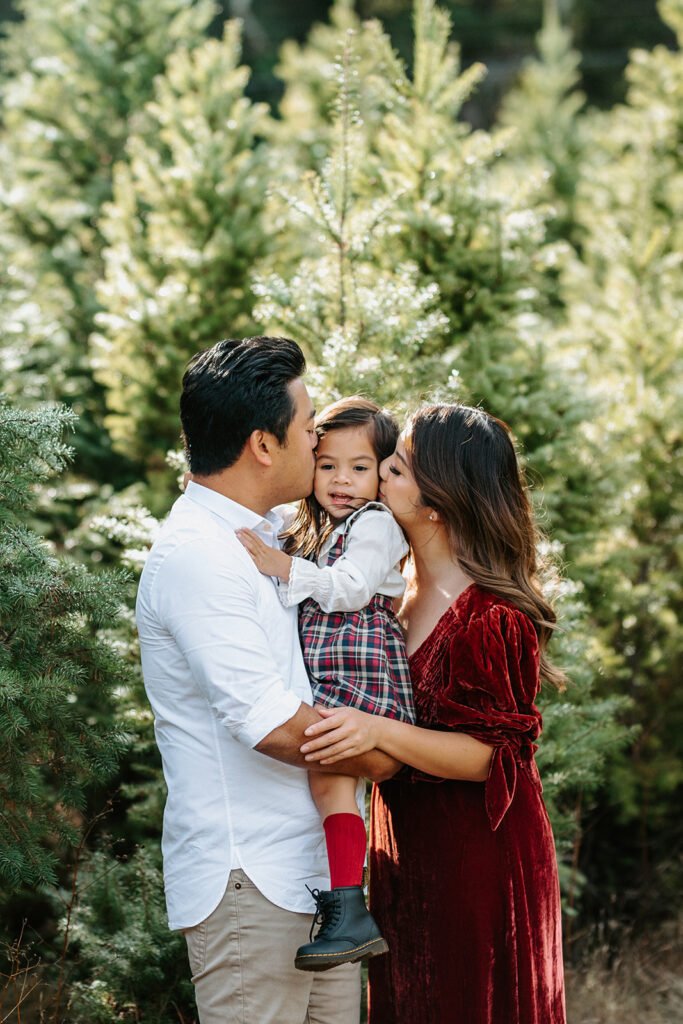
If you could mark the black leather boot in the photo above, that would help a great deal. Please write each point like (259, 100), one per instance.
(348, 932)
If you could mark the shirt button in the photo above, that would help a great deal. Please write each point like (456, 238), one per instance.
(238, 885)
(267, 526)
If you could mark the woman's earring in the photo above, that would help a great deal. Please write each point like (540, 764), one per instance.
(431, 515)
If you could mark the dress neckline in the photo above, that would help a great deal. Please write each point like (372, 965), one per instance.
(451, 608)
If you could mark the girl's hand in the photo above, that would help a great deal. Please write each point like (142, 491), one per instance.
(344, 732)
(270, 561)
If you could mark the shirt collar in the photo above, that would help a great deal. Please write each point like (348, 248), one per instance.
(345, 524)
(232, 512)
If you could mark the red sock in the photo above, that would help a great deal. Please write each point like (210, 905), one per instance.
(346, 843)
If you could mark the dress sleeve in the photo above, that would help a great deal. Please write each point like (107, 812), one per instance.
(374, 546)
(490, 680)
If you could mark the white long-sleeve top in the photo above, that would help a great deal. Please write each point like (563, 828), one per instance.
(369, 565)
(223, 667)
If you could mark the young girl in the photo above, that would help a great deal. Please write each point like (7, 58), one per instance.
(340, 563)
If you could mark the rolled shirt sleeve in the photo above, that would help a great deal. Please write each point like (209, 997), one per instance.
(216, 624)
(375, 545)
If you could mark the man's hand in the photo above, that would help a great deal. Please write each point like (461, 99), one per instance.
(269, 561)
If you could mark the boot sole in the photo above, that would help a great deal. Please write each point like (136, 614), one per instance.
(325, 961)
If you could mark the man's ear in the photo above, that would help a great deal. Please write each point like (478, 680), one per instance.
(261, 446)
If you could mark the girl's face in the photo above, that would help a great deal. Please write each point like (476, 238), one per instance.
(398, 490)
(346, 471)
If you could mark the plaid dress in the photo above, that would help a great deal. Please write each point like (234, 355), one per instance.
(357, 658)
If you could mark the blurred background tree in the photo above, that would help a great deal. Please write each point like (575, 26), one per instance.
(73, 89)
(184, 231)
(624, 321)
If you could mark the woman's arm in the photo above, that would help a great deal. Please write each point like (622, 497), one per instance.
(347, 732)
(284, 744)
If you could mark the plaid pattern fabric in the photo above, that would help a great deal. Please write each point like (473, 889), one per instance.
(359, 658)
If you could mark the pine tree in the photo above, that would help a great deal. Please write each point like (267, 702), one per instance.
(57, 675)
(624, 303)
(128, 965)
(184, 231)
(471, 223)
(545, 109)
(75, 79)
(362, 326)
(311, 74)
(423, 272)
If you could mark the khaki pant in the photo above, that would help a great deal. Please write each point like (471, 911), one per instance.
(242, 962)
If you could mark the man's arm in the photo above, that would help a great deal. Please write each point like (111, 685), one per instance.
(217, 628)
(283, 744)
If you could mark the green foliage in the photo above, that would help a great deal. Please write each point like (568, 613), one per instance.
(423, 200)
(183, 233)
(130, 967)
(73, 88)
(624, 301)
(583, 737)
(545, 108)
(57, 677)
(363, 327)
(424, 271)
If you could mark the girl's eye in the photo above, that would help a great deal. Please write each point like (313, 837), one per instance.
(392, 469)
(360, 469)
(324, 465)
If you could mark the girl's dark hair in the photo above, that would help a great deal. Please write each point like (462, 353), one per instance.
(465, 466)
(312, 525)
(231, 390)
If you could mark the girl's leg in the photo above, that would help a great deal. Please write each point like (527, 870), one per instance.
(335, 798)
(348, 932)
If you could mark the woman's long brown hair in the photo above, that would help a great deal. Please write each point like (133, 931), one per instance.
(312, 525)
(465, 466)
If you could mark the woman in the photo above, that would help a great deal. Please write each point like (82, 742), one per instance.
(463, 872)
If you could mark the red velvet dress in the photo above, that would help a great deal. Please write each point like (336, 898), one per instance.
(463, 875)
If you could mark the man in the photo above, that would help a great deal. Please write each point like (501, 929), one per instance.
(226, 680)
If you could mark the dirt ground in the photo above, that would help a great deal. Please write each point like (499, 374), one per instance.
(643, 985)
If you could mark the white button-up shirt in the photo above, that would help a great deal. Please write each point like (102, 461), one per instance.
(222, 666)
(369, 565)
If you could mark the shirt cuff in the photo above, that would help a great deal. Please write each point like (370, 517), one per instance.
(274, 708)
(305, 580)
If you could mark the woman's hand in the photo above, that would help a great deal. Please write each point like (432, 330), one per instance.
(344, 732)
(270, 561)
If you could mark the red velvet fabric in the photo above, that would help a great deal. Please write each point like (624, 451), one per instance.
(463, 875)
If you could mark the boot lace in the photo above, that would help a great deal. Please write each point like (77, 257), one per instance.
(328, 909)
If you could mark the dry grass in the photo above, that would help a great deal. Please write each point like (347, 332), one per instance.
(642, 985)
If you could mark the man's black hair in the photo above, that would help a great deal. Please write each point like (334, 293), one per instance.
(231, 390)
